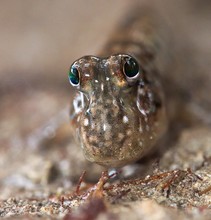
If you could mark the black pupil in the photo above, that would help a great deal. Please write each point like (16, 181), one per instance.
(131, 67)
(74, 76)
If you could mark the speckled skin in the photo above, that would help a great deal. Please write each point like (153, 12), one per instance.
(118, 120)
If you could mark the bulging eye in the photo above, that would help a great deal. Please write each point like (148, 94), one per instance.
(74, 76)
(131, 67)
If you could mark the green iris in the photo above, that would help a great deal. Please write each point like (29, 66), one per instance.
(73, 76)
(131, 67)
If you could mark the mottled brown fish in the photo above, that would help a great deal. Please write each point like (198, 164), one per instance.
(119, 110)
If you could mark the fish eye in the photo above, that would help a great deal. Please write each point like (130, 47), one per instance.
(131, 67)
(74, 76)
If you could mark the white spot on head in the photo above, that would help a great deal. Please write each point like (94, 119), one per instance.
(102, 87)
(78, 118)
(125, 119)
(143, 112)
(107, 78)
(96, 81)
(104, 127)
(86, 65)
(114, 102)
(86, 122)
(107, 129)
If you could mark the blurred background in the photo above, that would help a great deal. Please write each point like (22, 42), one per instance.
(38, 42)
